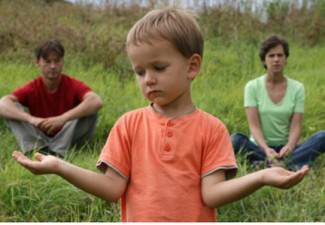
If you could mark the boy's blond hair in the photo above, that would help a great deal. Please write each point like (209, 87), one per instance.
(179, 27)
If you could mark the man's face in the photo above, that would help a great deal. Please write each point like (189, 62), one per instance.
(51, 67)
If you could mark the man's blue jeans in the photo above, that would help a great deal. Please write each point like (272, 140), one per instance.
(304, 154)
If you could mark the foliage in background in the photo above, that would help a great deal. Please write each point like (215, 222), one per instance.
(96, 34)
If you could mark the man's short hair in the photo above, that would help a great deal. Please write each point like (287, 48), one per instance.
(50, 46)
(179, 27)
(271, 42)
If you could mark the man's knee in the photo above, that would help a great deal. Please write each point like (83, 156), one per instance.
(85, 129)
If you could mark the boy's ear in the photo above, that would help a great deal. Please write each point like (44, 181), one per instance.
(194, 66)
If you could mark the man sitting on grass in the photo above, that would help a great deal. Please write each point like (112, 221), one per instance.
(62, 111)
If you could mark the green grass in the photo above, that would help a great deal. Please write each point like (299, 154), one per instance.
(218, 90)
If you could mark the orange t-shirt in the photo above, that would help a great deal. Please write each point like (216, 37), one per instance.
(164, 160)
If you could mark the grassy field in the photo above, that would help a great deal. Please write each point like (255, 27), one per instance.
(218, 90)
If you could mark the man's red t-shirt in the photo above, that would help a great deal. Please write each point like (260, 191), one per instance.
(42, 103)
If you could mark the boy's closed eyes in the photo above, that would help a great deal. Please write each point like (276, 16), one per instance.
(157, 67)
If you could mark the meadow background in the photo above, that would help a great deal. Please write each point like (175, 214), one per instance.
(94, 39)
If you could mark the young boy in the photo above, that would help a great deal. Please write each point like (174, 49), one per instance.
(169, 161)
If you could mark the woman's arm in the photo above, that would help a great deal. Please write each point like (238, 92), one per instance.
(109, 187)
(294, 134)
(216, 191)
(255, 128)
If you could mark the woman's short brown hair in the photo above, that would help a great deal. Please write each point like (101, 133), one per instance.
(271, 42)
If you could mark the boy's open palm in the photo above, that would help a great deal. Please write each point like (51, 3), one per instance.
(281, 178)
(42, 165)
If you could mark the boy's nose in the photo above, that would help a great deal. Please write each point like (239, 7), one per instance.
(150, 79)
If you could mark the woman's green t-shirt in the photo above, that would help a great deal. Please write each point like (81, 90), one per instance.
(275, 118)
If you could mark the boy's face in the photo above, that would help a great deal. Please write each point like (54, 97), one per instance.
(275, 60)
(163, 73)
(51, 67)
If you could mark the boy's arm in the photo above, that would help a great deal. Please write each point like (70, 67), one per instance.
(216, 191)
(109, 187)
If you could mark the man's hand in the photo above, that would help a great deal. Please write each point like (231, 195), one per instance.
(281, 178)
(35, 121)
(285, 150)
(52, 124)
(43, 164)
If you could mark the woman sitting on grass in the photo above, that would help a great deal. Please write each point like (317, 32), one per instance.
(274, 106)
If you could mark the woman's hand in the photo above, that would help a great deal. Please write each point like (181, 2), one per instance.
(271, 153)
(42, 165)
(285, 150)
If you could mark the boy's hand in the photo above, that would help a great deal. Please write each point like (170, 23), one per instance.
(281, 178)
(43, 164)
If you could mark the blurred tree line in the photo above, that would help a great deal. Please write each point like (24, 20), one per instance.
(95, 33)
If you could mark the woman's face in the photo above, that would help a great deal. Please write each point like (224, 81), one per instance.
(275, 60)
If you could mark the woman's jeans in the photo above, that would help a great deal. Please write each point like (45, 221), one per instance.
(304, 154)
